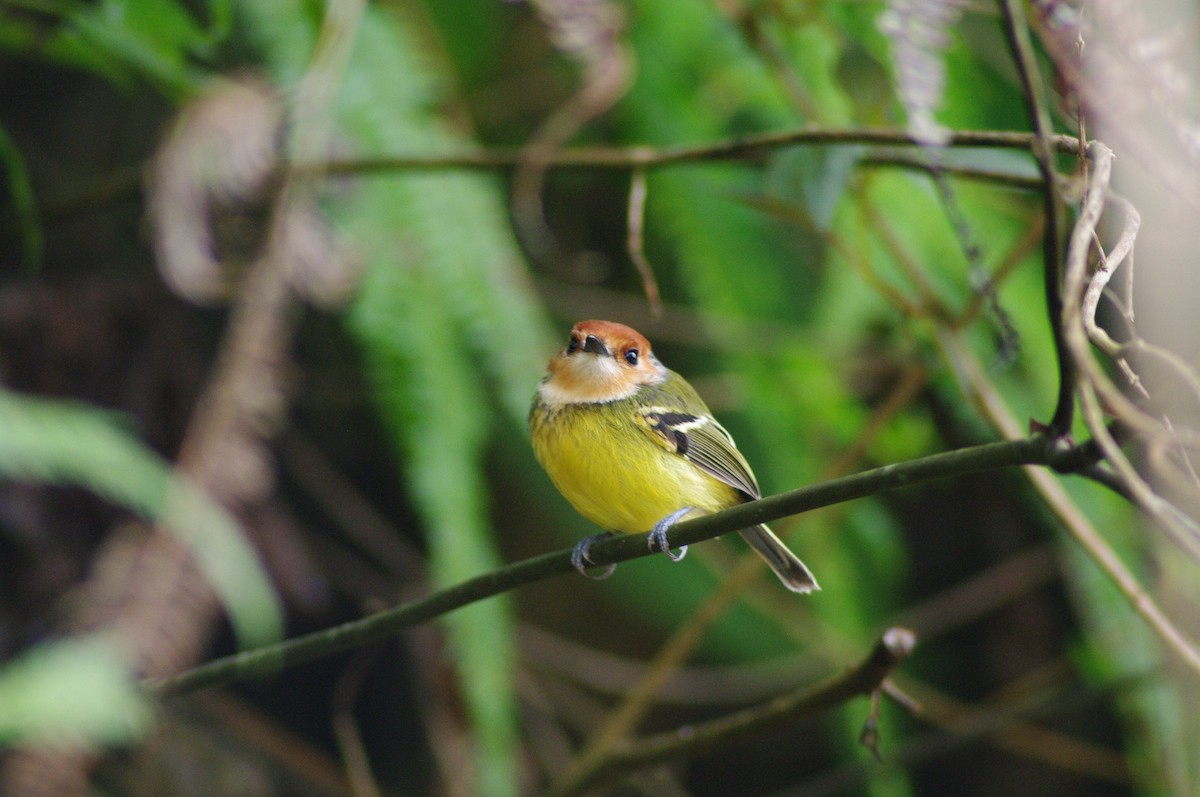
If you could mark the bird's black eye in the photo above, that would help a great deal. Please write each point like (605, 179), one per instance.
(631, 356)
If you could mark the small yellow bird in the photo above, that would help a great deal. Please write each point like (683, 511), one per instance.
(632, 446)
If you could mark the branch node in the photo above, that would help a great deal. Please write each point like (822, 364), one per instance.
(898, 643)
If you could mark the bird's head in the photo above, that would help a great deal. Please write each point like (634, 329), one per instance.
(603, 361)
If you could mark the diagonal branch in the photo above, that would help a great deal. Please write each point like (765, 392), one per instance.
(267, 660)
(865, 678)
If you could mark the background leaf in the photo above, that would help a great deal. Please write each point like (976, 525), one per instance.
(61, 443)
(71, 692)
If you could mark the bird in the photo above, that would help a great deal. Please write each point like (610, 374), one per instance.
(633, 448)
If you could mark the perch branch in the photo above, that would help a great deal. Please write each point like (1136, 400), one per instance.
(267, 660)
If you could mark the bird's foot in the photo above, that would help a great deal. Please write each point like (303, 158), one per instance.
(580, 559)
(658, 537)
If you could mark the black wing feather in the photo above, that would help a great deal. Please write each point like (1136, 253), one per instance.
(704, 443)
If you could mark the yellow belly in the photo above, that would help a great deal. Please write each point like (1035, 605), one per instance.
(615, 475)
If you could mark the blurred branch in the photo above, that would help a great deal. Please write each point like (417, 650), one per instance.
(1010, 724)
(1077, 524)
(1017, 29)
(266, 660)
(1019, 734)
(916, 162)
(751, 21)
(127, 182)
(648, 157)
(591, 33)
(865, 678)
(346, 732)
(164, 611)
(635, 240)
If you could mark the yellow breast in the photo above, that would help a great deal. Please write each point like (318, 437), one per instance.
(613, 473)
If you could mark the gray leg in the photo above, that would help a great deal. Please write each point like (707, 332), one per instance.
(580, 559)
(658, 537)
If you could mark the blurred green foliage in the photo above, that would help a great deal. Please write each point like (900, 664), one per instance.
(71, 692)
(64, 443)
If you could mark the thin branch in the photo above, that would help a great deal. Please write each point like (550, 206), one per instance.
(1096, 384)
(128, 182)
(1108, 264)
(1017, 30)
(648, 157)
(884, 159)
(357, 633)
(1076, 523)
(863, 679)
(975, 726)
(635, 242)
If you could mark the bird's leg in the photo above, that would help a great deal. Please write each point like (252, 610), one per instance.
(658, 537)
(580, 559)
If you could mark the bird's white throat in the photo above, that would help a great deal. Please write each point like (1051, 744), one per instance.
(586, 379)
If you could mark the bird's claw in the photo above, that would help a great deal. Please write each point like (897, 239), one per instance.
(580, 559)
(658, 538)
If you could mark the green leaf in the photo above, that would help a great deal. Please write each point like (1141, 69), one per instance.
(72, 692)
(123, 40)
(20, 189)
(59, 442)
(149, 39)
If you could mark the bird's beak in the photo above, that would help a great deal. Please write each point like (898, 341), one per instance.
(594, 345)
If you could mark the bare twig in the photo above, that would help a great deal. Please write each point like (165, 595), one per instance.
(1017, 30)
(1108, 265)
(1095, 383)
(863, 679)
(345, 725)
(883, 159)
(636, 221)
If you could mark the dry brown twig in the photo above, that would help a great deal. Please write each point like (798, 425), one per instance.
(1095, 386)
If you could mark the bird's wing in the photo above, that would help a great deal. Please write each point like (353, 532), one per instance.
(703, 442)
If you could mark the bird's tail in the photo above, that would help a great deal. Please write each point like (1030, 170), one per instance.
(791, 571)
